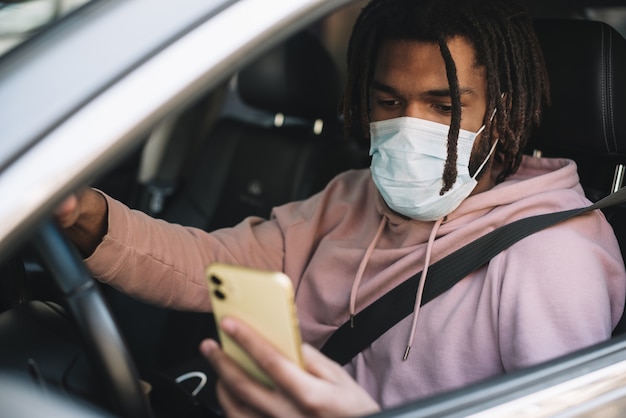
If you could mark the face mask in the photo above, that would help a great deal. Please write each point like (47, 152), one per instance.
(408, 158)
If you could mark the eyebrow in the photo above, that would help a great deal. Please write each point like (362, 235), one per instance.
(428, 93)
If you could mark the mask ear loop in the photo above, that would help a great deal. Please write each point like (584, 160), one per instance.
(493, 147)
(482, 128)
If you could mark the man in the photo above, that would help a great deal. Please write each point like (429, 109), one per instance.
(446, 92)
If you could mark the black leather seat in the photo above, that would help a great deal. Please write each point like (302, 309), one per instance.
(586, 62)
(287, 148)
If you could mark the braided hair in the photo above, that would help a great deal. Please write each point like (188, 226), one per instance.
(505, 46)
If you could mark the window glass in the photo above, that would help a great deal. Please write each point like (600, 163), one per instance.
(21, 19)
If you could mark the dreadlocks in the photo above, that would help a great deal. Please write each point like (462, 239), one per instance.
(505, 45)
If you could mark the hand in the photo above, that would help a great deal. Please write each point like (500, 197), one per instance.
(84, 217)
(324, 389)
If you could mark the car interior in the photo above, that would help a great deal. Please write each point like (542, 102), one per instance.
(269, 135)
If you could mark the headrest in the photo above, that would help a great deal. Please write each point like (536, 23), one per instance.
(586, 63)
(298, 78)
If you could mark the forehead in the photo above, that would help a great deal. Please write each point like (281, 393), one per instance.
(416, 66)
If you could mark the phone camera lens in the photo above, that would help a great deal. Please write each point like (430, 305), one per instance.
(216, 280)
(219, 294)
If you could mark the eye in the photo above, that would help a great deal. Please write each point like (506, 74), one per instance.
(388, 103)
(445, 109)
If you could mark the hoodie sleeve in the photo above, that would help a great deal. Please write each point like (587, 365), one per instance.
(164, 263)
(562, 289)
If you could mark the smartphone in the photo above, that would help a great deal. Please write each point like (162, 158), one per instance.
(263, 300)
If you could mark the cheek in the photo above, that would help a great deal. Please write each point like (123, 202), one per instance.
(472, 119)
(375, 116)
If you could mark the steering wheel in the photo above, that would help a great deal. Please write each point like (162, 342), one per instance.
(105, 347)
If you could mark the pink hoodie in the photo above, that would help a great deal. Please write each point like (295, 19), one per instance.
(556, 291)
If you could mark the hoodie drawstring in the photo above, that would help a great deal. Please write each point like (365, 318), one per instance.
(420, 287)
(359, 273)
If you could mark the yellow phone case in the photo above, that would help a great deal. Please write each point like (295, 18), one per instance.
(261, 299)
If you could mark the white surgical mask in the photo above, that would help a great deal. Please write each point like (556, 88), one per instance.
(408, 159)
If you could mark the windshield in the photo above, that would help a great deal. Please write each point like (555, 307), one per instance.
(19, 20)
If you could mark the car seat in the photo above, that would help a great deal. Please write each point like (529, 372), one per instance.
(279, 139)
(586, 62)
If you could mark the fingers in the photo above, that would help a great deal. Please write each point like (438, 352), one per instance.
(321, 366)
(233, 406)
(283, 371)
(239, 393)
(67, 212)
(323, 389)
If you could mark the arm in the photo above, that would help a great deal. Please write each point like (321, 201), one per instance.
(323, 390)
(157, 261)
(134, 252)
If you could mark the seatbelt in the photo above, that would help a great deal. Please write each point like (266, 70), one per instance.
(373, 321)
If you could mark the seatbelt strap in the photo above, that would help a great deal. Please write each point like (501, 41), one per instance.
(373, 321)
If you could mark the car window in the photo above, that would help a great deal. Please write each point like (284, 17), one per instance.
(19, 20)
